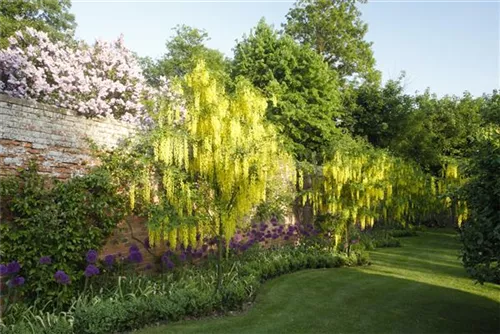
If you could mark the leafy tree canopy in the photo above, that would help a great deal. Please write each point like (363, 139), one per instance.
(184, 50)
(302, 91)
(380, 112)
(51, 16)
(439, 129)
(335, 30)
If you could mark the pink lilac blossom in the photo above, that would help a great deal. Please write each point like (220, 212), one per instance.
(103, 80)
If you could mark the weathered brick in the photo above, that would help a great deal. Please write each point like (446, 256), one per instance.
(56, 138)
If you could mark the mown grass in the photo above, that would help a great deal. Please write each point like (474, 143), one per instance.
(418, 288)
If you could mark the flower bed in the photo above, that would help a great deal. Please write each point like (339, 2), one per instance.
(128, 303)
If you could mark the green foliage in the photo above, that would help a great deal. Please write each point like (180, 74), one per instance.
(133, 303)
(439, 129)
(44, 217)
(51, 16)
(334, 29)
(386, 242)
(279, 195)
(490, 109)
(380, 113)
(403, 233)
(481, 234)
(184, 50)
(303, 93)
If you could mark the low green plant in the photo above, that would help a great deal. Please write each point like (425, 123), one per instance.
(135, 302)
(403, 233)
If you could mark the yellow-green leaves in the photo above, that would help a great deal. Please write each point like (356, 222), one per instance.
(218, 157)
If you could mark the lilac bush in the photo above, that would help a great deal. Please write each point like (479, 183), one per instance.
(100, 80)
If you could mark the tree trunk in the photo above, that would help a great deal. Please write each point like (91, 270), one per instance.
(219, 257)
(453, 221)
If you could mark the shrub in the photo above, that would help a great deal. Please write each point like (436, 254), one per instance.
(386, 242)
(50, 226)
(481, 233)
(403, 233)
(100, 80)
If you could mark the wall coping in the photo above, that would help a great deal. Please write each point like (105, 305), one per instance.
(68, 112)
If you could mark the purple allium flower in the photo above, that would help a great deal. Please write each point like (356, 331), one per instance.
(16, 281)
(165, 258)
(13, 267)
(170, 265)
(62, 278)
(91, 270)
(146, 243)
(45, 260)
(274, 220)
(135, 257)
(3, 270)
(109, 260)
(133, 248)
(182, 257)
(91, 256)
(149, 266)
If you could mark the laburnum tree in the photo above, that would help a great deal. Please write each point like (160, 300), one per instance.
(211, 162)
(302, 92)
(360, 185)
(50, 16)
(334, 29)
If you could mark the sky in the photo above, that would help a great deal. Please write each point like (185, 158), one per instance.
(448, 46)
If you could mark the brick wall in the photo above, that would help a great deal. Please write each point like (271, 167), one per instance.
(56, 138)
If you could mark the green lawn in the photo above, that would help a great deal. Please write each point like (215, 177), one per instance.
(418, 288)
